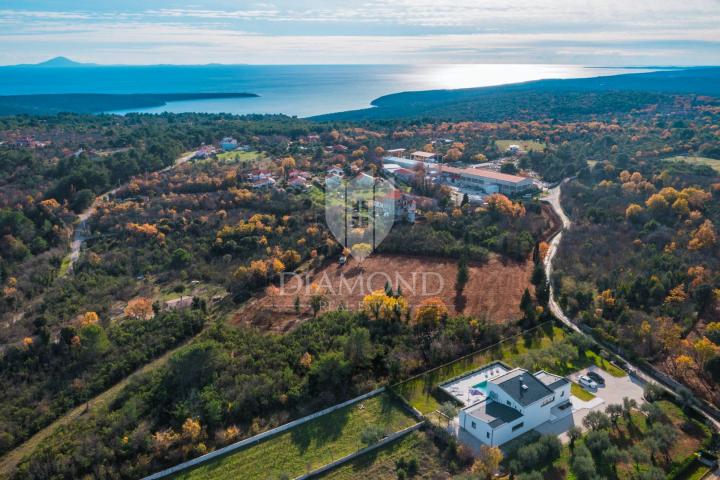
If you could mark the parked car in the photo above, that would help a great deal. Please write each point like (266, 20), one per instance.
(597, 378)
(587, 382)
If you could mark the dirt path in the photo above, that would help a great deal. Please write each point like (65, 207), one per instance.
(80, 233)
(10, 461)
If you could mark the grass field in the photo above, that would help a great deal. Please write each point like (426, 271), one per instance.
(526, 145)
(580, 392)
(421, 392)
(710, 162)
(418, 391)
(308, 446)
(695, 472)
(239, 156)
(382, 463)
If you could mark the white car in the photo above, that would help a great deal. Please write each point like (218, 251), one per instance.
(587, 382)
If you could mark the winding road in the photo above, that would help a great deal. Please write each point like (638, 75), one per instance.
(80, 233)
(553, 199)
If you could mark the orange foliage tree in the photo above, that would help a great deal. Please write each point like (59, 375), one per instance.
(141, 308)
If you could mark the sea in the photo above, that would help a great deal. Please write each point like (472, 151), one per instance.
(297, 90)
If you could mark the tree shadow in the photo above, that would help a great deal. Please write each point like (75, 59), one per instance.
(459, 302)
(322, 430)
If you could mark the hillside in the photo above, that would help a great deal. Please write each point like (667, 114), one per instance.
(565, 99)
(97, 102)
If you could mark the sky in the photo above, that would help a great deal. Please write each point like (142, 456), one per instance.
(584, 32)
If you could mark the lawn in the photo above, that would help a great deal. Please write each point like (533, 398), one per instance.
(382, 463)
(308, 446)
(418, 391)
(580, 392)
(239, 156)
(710, 162)
(600, 362)
(526, 145)
(696, 471)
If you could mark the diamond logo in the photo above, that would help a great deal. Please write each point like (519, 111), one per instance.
(360, 211)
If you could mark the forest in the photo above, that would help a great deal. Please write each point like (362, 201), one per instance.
(639, 268)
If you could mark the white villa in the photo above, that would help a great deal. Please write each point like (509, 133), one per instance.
(501, 403)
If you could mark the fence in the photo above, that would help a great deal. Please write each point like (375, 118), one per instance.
(671, 385)
(257, 438)
(390, 438)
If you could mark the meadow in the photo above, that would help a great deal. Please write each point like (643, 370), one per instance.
(527, 145)
(308, 446)
(694, 160)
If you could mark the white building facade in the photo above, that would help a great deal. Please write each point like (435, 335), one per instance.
(507, 402)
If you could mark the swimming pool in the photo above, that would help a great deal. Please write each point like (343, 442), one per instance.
(480, 387)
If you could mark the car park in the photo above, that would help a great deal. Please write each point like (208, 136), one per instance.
(587, 382)
(597, 378)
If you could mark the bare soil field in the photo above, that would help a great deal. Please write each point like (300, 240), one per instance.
(493, 291)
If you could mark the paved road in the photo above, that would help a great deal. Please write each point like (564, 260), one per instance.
(81, 230)
(553, 198)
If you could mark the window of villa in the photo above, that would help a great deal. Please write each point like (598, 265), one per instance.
(487, 434)
(518, 426)
(562, 394)
(473, 424)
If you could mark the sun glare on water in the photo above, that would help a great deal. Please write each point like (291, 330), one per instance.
(483, 75)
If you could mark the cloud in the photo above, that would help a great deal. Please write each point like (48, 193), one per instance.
(376, 31)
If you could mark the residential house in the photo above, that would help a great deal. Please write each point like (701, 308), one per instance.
(228, 144)
(182, 303)
(263, 183)
(297, 183)
(421, 156)
(258, 174)
(204, 151)
(501, 403)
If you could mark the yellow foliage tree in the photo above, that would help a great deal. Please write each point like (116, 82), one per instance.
(191, 429)
(306, 360)
(657, 203)
(488, 462)
(90, 318)
(704, 350)
(380, 306)
(633, 211)
(676, 295)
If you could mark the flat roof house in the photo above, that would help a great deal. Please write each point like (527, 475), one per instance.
(421, 156)
(502, 403)
(485, 181)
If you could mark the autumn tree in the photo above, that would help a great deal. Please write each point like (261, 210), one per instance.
(89, 318)
(488, 462)
(380, 306)
(703, 237)
(317, 298)
(430, 313)
(140, 308)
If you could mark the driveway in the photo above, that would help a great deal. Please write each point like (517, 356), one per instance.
(614, 391)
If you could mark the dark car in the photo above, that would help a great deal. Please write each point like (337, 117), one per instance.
(596, 377)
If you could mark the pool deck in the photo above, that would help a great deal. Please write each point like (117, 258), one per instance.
(462, 388)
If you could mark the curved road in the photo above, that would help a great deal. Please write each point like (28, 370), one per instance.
(81, 230)
(553, 198)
